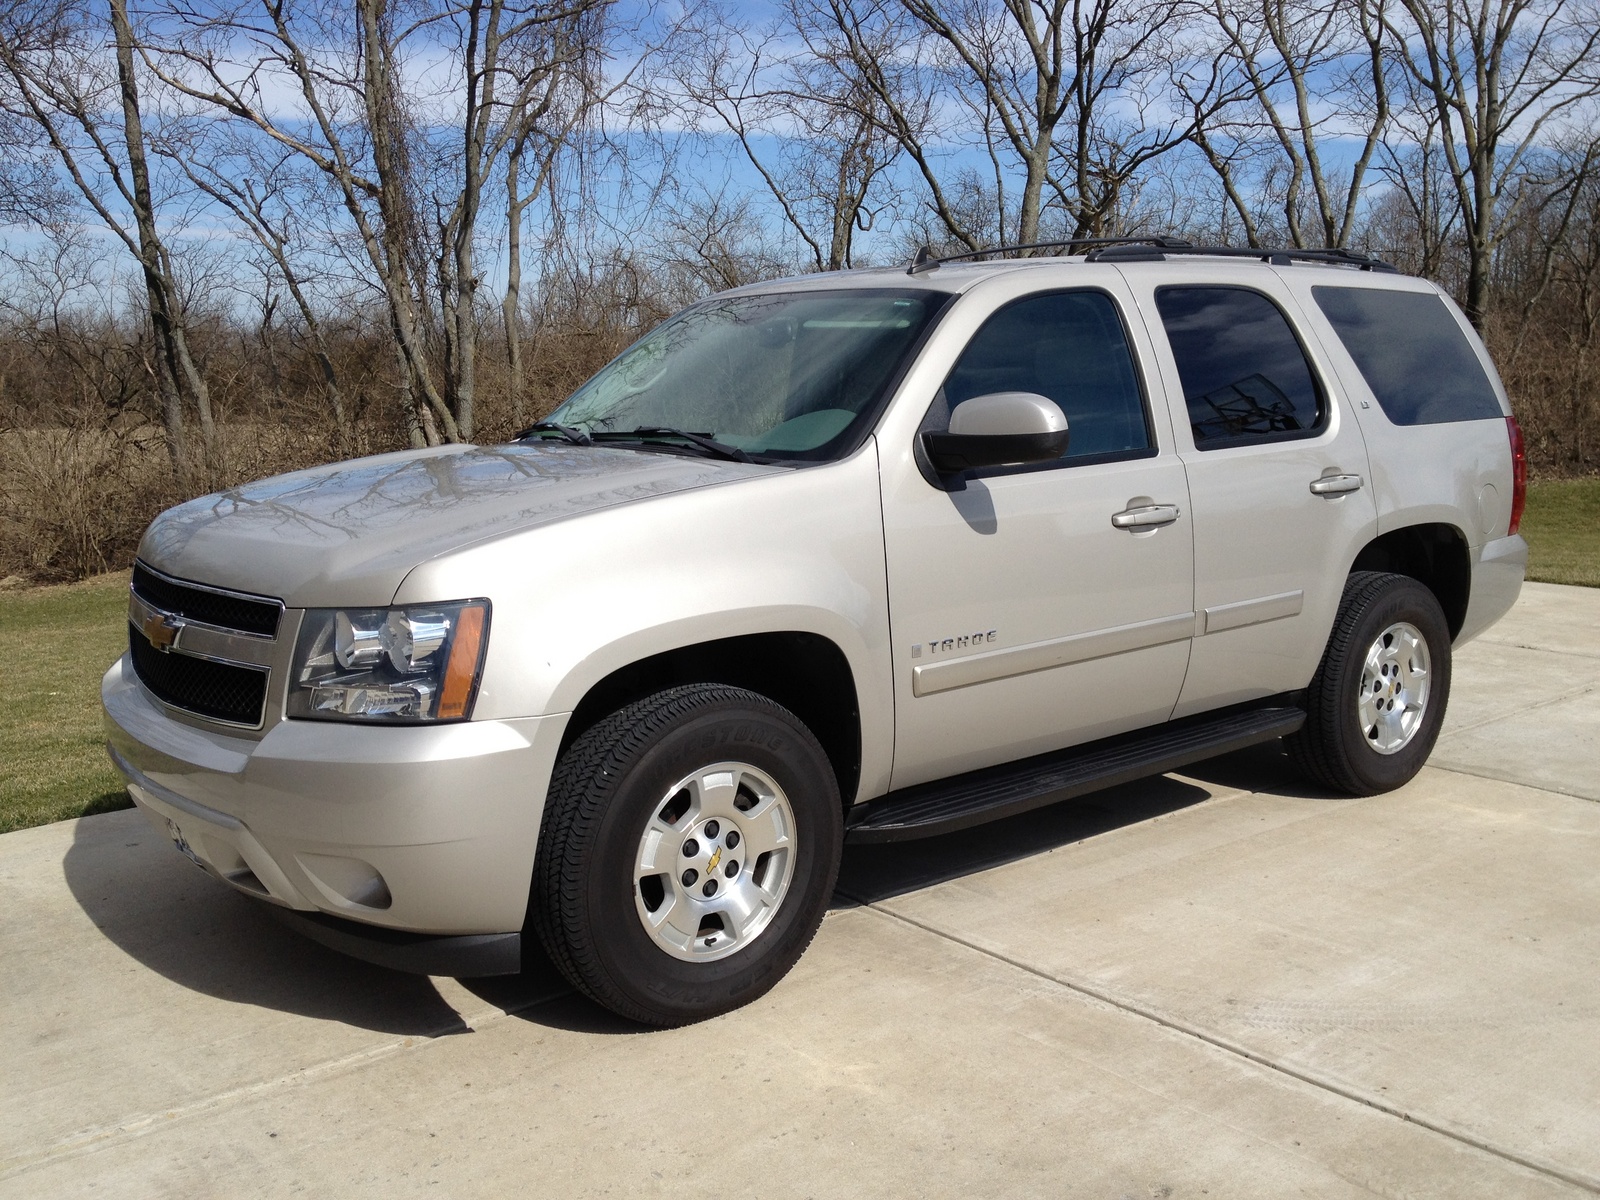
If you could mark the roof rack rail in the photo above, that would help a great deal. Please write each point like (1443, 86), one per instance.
(1153, 248)
(1276, 257)
(926, 261)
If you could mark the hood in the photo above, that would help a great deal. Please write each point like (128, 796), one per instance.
(348, 533)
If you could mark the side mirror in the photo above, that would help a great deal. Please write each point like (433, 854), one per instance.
(1001, 429)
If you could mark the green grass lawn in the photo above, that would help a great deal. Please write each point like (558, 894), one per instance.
(56, 642)
(1562, 525)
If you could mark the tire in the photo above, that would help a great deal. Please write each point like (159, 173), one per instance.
(1373, 711)
(711, 773)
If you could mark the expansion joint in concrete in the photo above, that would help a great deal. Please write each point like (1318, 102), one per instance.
(1229, 1046)
(1457, 730)
(91, 1140)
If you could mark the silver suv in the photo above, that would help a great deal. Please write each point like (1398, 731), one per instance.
(852, 557)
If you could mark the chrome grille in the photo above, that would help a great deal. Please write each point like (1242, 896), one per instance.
(205, 650)
(221, 691)
(210, 606)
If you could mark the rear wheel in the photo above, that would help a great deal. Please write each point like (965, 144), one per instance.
(1377, 701)
(688, 851)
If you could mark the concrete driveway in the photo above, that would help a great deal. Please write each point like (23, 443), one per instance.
(1216, 984)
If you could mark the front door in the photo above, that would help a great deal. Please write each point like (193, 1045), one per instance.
(1024, 617)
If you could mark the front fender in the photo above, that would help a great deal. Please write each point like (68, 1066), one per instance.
(793, 551)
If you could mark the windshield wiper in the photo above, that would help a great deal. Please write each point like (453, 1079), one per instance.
(703, 441)
(576, 436)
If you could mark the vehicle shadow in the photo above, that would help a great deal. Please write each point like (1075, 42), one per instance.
(557, 1006)
(1263, 768)
(876, 872)
(175, 920)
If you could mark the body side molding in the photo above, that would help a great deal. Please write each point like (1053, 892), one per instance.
(1218, 617)
(1041, 656)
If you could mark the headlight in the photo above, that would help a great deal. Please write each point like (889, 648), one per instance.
(418, 663)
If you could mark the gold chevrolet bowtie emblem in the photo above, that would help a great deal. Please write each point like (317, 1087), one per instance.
(715, 859)
(161, 630)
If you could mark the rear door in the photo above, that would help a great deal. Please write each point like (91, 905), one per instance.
(1278, 478)
(1024, 619)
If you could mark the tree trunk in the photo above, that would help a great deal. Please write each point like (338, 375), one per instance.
(511, 302)
(398, 234)
(1032, 196)
(176, 372)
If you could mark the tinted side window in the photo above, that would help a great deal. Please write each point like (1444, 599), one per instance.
(1245, 377)
(1069, 347)
(1412, 354)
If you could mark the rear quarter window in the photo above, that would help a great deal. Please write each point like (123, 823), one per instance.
(1412, 353)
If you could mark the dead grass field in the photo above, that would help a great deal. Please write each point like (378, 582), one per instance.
(74, 500)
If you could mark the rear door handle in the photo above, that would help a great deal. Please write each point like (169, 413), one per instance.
(1146, 516)
(1335, 485)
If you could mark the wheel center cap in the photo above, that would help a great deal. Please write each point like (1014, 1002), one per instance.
(698, 897)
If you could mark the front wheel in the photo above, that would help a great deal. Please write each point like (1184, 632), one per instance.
(1377, 701)
(688, 851)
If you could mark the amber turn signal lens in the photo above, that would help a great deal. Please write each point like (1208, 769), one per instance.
(466, 653)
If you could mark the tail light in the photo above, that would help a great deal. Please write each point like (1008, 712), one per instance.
(1519, 475)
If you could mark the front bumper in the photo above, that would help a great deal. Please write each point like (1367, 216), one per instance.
(420, 830)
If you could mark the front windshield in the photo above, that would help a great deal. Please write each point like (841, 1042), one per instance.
(791, 375)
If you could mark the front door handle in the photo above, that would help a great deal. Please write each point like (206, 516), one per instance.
(1146, 516)
(1335, 485)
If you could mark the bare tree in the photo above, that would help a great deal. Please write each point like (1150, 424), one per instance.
(879, 45)
(807, 123)
(1548, 204)
(1414, 219)
(515, 57)
(1013, 64)
(30, 193)
(1304, 72)
(413, 191)
(1122, 56)
(60, 84)
(1497, 75)
(257, 185)
(547, 132)
(716, 241)
(1058, 96)
(1577, 263)
(58, 301)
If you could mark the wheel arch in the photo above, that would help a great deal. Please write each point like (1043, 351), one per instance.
(1435, 554)
(805, 672)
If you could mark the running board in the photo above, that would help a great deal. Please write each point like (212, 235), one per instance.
(961, 801)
